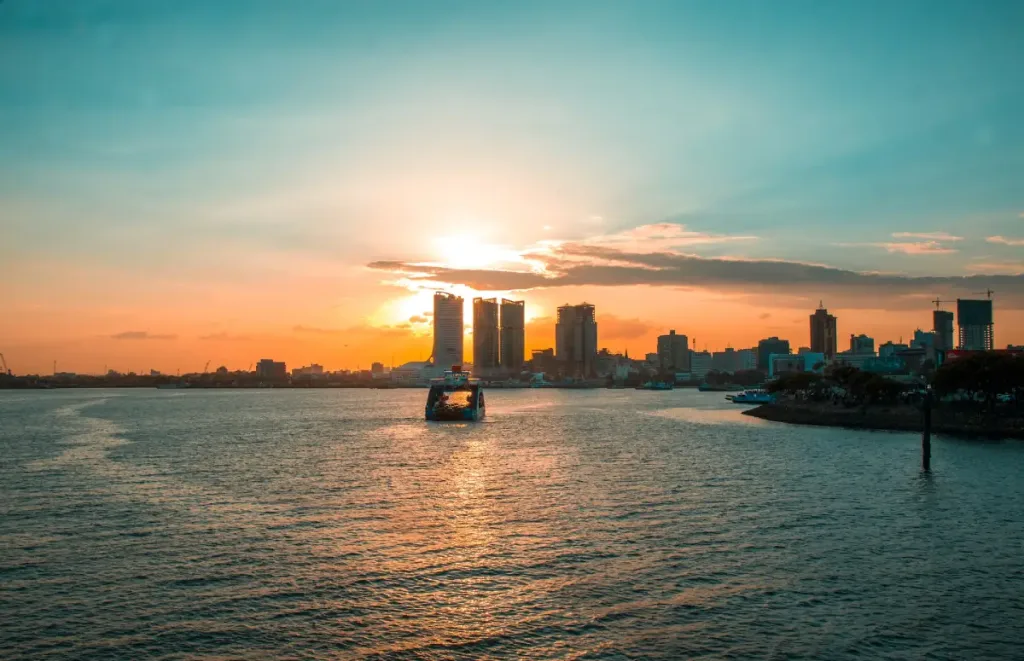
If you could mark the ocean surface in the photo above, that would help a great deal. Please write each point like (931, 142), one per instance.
(337, 524)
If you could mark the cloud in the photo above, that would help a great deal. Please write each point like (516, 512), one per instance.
(141, 335)
(662, 236)
(418, 319)
(764, 315)
(574, 265)
(1006, 242)
(1006, 268)
(617, 328)
(929, 236)
(225, 337)
(916, 248)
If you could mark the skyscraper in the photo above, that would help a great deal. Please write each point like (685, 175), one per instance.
(447, 329)
(576, 339)
(823, 332)
(513, 334)
(974, 323)
(942, 325)
(767, 347)
(485, 334)
(674, 352)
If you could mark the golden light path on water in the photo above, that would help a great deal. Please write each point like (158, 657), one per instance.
(570, 524)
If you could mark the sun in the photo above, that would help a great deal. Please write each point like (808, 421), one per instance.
(465, 251)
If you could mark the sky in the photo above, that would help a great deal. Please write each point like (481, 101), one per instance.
(189, 181)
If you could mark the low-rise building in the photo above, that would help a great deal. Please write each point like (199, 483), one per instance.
(701, 362)
(268, 368)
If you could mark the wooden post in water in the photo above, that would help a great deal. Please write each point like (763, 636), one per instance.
(926, 433)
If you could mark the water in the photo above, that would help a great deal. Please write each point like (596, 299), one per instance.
(570, 525)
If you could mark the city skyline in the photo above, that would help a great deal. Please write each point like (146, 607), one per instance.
(212, 183)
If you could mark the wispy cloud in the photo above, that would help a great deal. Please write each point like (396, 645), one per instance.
(1006, 268)
(916, 248)
(141, 335)
(417, 319)
(662, 236)
(225, 337)
(1005, 241)
(928, 236)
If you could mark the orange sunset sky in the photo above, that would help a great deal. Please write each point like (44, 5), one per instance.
(224, 185)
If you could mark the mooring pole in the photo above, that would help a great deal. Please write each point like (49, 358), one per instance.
(926, 433)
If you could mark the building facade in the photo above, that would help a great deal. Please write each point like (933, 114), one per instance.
(823, 332)
(673, 352)
(576, 339)
(862, 344)
(485, 334)
(513, 334)
(701, 362)
(767, 347)
(448, 349)
(267, 368)
(942, 326)
(974, 325)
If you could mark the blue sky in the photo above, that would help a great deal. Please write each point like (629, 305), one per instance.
(183, 140)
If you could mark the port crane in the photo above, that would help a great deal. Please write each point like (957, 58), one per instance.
(206, 367)
(3, 361)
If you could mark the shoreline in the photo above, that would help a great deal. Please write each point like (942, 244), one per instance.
(962, 424)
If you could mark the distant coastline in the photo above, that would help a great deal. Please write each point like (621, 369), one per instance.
(965, 423)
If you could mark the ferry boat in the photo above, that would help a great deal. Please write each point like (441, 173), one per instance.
(455, 397)
(753, 396)
(656, 385)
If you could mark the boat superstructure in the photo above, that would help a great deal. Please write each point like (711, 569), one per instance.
(455, 397)
(753, 396)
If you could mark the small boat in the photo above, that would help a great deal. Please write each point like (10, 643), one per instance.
(656, 385)
(753, 396)
(455, 398)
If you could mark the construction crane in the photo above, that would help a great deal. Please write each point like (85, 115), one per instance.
(3, 362)
(987, 292)
(938, 303)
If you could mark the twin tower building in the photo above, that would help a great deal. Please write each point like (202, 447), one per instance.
(499, 335)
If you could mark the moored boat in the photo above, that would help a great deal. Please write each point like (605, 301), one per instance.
(656, 385)
(753, 396)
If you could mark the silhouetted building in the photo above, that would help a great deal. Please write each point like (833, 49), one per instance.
(447, 330)
(674, 352)
(513, 334)
(317, 370)
(543, 360)
(823, 332)
(701, 362)
(942, 326)
(727, 361)
(376, 369)
(862, 344)
(974, 323)
(268, 369)
(889, 349)
(485, 334)
(767, 347)
(576, 339)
